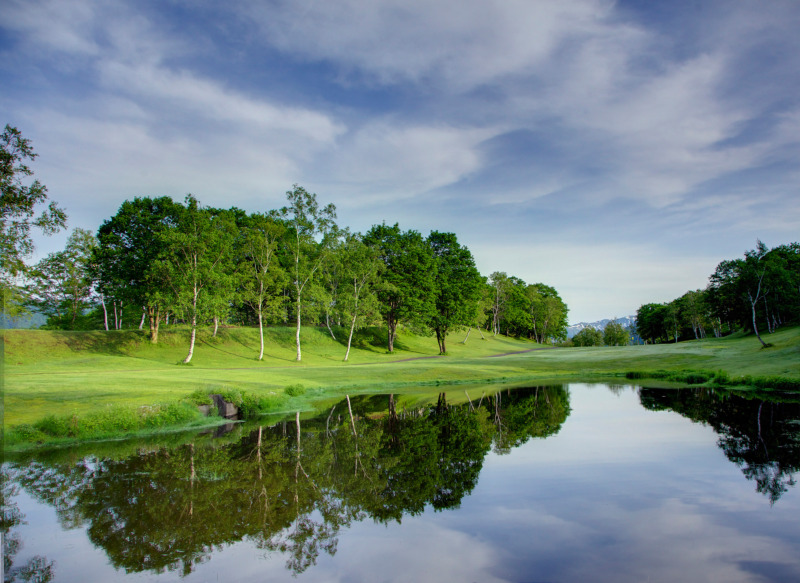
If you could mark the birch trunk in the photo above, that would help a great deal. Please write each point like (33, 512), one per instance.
(350, 338)
(194, 327)
(105, 312)
(297, 332)
(261, 332)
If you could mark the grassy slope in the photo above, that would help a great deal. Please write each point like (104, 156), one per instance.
(77, 372)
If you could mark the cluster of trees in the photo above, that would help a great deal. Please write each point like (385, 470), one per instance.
(758, 292)
(614, 334)
(157, 259)
(533, 311)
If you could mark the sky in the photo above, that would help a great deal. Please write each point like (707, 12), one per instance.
(617, 151)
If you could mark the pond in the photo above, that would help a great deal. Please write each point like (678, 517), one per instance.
(579, 482)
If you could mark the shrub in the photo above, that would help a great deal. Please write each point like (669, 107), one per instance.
(295, 390)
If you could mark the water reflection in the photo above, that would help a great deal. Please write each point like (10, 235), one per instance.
(289, 488)
(760, 434)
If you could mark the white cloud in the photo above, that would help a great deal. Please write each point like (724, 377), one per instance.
(394, 41)
(385, 161)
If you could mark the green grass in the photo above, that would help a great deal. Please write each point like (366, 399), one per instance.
(76, 375)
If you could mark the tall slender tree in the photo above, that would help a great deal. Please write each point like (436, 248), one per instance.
(308, 240)
(261, 273)
(361, 270)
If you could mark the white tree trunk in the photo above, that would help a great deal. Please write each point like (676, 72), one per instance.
(350, 338)
(194, 327)
(297, 332)
(261, 333)
(105, 312)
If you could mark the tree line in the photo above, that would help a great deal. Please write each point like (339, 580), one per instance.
(755, 293)
(158, 260)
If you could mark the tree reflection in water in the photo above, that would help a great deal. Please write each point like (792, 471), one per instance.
(289, 488)
(760, 433)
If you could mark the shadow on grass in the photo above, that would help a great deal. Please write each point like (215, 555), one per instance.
(113, 343)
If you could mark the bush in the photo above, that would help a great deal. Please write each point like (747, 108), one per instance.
(295, 390)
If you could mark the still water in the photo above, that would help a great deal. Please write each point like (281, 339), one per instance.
(551, 484)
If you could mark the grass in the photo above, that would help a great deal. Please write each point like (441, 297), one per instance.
(78, 375)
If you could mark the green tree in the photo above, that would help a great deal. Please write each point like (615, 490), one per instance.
(197, 258)
(457, 284)
(61, 285)
(615, 334)
(361, 269)
(651, 322)
(131, 245)
(18, 213)
(306, 223)
(548, 313)
(261, 275)
(500, 290)
(406, 290)
(588, 337)
(754, 269)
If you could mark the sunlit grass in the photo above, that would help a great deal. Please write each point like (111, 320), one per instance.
(77, 373)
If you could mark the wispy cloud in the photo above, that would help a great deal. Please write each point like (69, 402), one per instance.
(549, 117)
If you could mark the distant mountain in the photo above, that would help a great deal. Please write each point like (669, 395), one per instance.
(626, 322)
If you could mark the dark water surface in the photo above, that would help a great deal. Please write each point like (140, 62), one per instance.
(551, 484)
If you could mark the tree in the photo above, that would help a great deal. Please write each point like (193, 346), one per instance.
(500, 284)
(306, 222)
(588, 337)
(62, 285)
(197, 252)
(548, 313)
(361, 269)
(18, 208)
(457, 285)
(406, 290)
(131, 245)
(615, 334)
(754, 268)
(261, 272)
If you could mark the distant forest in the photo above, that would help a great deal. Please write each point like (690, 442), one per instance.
(758, 293)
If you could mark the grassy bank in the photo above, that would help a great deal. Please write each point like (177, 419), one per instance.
(79, 374)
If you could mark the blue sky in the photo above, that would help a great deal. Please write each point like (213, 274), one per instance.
(615, 150)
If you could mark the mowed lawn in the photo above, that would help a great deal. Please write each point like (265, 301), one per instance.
(48, 372)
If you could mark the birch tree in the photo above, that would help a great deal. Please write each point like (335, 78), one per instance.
(361, 270)
(261, 272)
(61, 285)
(197, 251)
(310, 231)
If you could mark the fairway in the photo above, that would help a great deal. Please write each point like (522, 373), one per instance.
(65, 373)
